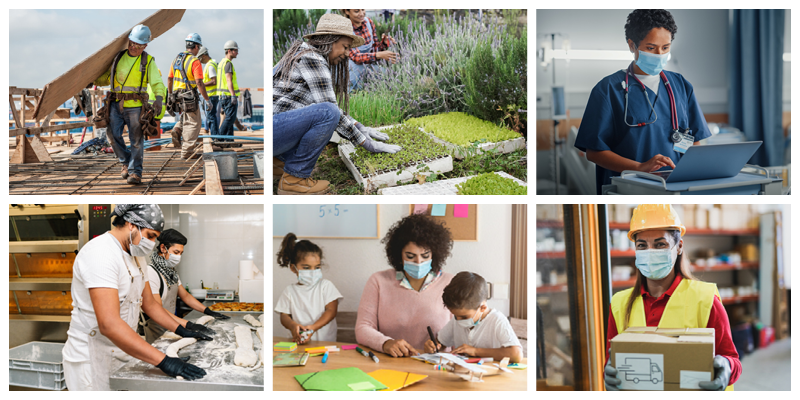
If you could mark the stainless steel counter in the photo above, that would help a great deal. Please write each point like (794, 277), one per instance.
(215, 356)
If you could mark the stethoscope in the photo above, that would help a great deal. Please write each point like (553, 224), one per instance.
(676, 136)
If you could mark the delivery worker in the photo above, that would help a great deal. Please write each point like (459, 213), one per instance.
(159, 114)
(666, 294)
(131, 72)
(109, 286)
(228, 89)
(210, 82)
(186, 73)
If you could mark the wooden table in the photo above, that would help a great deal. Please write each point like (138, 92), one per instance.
(283, 377)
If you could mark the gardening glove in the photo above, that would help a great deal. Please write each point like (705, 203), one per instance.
(199, 328)
(380, 147)
(215, 314)
(157, 104)
(184, 332)
(610, 377)
(722, 375)
(373, 133)
(177, 367)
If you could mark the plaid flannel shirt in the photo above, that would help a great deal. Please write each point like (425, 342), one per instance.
(368, 57)
(311, 83)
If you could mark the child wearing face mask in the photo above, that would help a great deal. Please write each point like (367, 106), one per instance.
(475, 330)
(307, 308)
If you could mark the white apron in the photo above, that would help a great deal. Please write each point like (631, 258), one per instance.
(169, 301)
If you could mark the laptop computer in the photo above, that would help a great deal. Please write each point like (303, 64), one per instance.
(711, 161)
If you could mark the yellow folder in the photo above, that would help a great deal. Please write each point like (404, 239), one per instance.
(395, 380)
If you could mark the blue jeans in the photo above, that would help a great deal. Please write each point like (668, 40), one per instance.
(212, 117)
(299, 136)
(226, 128)
(132, 158)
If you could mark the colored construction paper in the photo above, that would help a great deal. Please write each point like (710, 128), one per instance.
(439, 210)
(289, 359)
(420, 208)
(361, 386)
(396, 380)
(461, 210)
(338, 379)
(284, 346)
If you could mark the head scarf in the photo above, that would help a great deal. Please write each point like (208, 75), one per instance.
(142, 215)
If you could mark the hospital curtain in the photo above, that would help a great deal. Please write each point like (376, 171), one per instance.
(756, 87)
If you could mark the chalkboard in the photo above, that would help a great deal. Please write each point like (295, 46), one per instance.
(337, 221)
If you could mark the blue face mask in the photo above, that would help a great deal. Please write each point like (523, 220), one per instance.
(417, 271)
(652, 64)
(656, 264)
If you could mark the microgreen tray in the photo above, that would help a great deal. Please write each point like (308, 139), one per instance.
(443, 187)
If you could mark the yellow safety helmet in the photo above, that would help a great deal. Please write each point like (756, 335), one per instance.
(655, 216)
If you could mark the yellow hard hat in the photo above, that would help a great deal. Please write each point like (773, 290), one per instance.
(655, 216)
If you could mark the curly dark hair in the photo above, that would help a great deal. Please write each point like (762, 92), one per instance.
(466, 291)
(641, 22)
(423, 231)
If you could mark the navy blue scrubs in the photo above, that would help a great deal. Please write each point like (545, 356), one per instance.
(602, 127)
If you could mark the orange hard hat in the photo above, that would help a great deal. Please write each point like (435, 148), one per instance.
(655, 216)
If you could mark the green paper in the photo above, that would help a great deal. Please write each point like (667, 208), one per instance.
(517, 366)
(289, 359)
(338, 380)
(361, 386)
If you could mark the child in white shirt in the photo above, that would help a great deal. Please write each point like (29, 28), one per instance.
(475, 330)
(311, 304)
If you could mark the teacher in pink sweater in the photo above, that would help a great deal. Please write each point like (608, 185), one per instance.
(399, 304)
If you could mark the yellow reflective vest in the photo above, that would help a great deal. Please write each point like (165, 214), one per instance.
(128, 76)
(689, 307)
(222, 79)
(211, 89)
(183, 79)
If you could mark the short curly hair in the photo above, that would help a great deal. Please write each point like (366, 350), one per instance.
(423, 231)
(641, 22)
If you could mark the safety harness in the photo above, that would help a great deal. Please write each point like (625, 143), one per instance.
(146, 117)
(185, 99)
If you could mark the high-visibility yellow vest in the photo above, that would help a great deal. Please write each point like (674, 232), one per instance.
(152, 99)
(182, 76)
(128, 77)
(211, 89)
(689, 307)
(222, 79)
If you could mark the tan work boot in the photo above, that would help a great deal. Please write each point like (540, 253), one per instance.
(290, 185)
(134, 179)
(124, 173)
(176, 137)
(277, 168)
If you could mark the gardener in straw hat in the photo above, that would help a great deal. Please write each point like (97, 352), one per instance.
(307, 82)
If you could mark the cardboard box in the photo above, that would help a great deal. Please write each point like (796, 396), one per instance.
(649, 358)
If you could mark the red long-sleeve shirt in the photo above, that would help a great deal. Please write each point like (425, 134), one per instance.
(369, 38)
(718, 319)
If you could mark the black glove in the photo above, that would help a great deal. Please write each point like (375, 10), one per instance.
(722, 375)
(215, 314)
(199, 328)
(157, 105)
(610, 377)
(181, 331)
(178, 367)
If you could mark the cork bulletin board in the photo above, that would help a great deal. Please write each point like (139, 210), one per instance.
(463, 229)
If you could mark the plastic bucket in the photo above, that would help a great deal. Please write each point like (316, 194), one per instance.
(227, 163)
(258, 164)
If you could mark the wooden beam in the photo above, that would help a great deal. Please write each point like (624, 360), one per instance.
(47, 119)
(65, 86)
(197, 189)
(29, 150)
(51, 128)
(29, 92)
(14, 112)
(207, 148)
(213, 183)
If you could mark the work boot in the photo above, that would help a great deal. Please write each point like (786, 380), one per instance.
(134, 179)
(176, 137)
(124, 173)
(290, 185)
(277, 168)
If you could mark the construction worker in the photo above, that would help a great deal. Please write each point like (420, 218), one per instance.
(228, 89)
(666, 294)
(186, 74)
(129, 75)
(151, 98)
(210, 82)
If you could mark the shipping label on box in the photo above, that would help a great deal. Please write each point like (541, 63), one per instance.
(650, 358)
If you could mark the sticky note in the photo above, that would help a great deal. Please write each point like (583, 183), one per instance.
(420, 208)
(438, 210)
(361, 386)
(461, 210)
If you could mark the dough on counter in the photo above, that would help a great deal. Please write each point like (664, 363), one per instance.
(171, 335)
(261, 319)
(173, 349)
(244, 356)
(260, 333)
(252, 321)
(204, 320)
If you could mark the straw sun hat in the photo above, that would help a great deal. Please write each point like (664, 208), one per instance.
(332, 24)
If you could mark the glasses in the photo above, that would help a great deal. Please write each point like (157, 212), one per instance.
(136, 45)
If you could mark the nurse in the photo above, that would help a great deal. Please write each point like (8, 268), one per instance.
(641, 118)
(109, 285)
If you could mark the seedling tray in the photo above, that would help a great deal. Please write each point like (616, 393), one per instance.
(447, 186)
(459, 152)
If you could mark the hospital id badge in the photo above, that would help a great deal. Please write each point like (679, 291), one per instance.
(686, 141)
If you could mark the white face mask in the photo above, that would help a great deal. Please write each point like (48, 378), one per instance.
(145, 246)
(470, 322)
(173, 260)
(309, 277)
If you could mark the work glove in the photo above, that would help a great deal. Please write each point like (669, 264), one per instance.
(184, 332)
(157, 104)
(610, 377)
(177, 367)
(373, 133)
(380, 147)
(199, 328)
(722, 375)
(234, 100)
(208, 106)
(215, 314)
